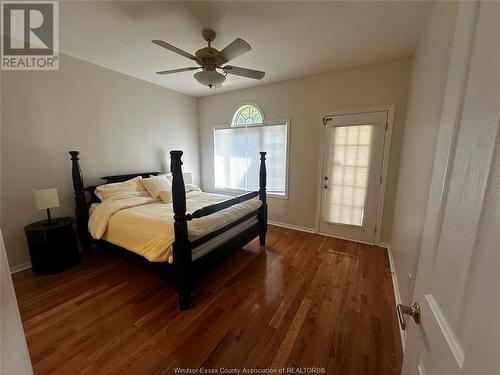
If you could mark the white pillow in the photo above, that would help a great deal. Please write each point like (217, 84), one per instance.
(168, 176)
(166, 196)
(192, 187)
(188, 177)
(119, 190)
(156, 184)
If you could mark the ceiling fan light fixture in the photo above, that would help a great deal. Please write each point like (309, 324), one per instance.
(210, 78)
(209, 59)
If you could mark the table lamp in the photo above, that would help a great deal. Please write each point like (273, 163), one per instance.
(45, 199)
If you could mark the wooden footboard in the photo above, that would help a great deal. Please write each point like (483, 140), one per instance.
(182, 247)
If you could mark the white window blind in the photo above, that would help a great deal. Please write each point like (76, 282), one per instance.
(237, 158)
(349, 168)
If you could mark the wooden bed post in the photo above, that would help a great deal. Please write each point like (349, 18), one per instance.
(81, 210)
(181, 249)
(262, 197)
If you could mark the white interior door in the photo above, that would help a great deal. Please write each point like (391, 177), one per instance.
(14, 356)
(353, 152)
(458, 278)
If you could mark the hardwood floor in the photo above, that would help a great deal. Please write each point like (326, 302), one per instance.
(309, 301)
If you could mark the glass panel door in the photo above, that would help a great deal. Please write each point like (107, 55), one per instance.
(348, 170)
(353, 152)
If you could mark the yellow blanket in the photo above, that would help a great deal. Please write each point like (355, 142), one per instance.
(145, 225)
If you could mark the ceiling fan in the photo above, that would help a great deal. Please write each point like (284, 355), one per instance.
(211, 60)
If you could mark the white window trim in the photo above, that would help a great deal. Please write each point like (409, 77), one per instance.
(235, 192)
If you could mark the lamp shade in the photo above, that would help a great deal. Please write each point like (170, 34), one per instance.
(210, 78)
(46, 198)
(188, 178)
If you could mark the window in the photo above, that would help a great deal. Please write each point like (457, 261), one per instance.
(247, 115)
(236, 152)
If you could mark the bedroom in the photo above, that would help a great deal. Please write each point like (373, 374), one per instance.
(318, 284)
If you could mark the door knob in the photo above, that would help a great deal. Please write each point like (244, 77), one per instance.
(413, 311)
(325, 178)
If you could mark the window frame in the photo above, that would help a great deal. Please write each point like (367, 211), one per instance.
(238, 109)
(235, 192)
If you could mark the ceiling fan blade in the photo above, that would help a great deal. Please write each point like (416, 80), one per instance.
(244, 72)
(172, 48)
(179, 70)
(234, 49)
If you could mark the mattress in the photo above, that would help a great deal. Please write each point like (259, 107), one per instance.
(145, 225)
(208, 246)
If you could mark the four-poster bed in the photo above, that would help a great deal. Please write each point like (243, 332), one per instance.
(183, 247)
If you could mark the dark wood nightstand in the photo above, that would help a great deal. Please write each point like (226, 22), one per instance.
(53, 247)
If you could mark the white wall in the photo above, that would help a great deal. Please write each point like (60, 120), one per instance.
(303, 101)
(119, 124)
(425, 100)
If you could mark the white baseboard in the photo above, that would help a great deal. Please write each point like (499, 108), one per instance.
(20, 267)
(292, 226)
(395, 285)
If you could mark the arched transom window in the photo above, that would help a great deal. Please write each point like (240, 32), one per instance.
(248, 115)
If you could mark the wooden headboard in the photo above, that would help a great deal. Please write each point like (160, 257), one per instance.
(125, 177)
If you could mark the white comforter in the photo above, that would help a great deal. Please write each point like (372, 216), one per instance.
(145, 225)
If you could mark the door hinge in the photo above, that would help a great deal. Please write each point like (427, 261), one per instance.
(386, 125)
(375, 230)
(380, 180)
(325, 120)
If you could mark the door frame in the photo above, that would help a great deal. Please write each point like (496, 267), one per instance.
(385, 164)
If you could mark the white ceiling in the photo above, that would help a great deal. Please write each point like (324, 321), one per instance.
(288, 39)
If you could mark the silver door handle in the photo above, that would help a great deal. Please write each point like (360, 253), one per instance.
(413, 311)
